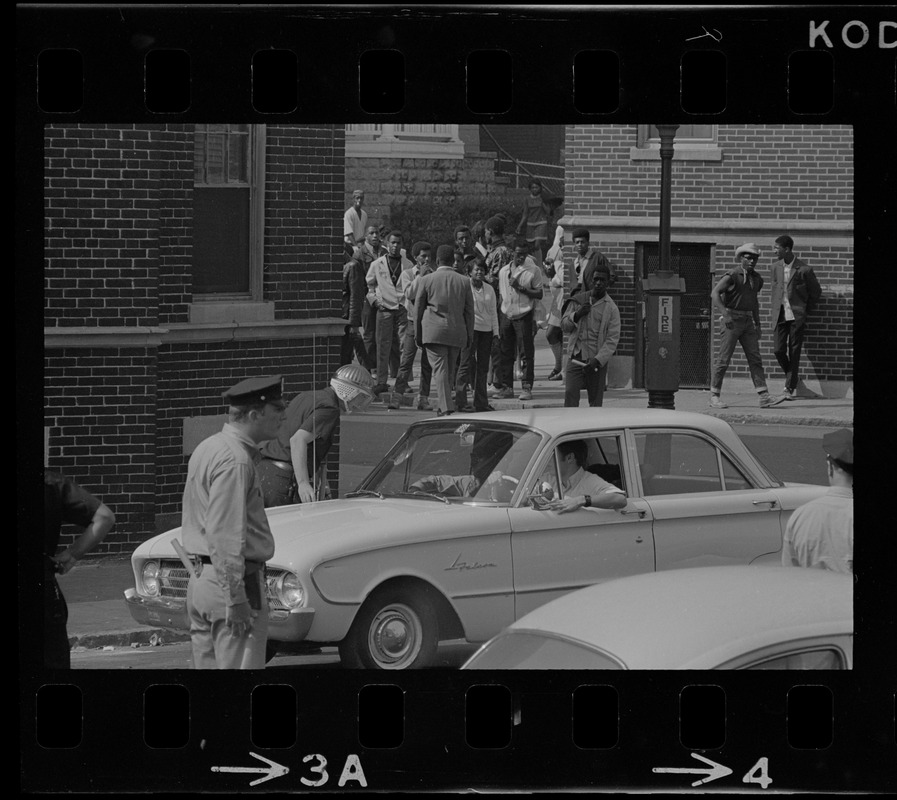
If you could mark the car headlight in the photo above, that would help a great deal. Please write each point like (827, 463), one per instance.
(151, 583)
(288, 589)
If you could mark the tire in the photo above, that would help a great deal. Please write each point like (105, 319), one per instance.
(395, 629)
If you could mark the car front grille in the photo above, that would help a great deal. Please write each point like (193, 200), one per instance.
(173, 579)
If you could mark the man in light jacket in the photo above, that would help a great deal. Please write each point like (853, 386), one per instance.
(444, 325)
(386, 297)
(592, 322)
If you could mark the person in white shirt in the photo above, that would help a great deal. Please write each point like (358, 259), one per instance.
(520, 286)
(355, 221)
(819, 534)
(474, 364)
(582, 489)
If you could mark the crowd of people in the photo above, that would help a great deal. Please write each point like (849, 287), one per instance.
(478, 343)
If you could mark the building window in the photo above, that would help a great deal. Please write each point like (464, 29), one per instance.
(692, 143)
(228, 184)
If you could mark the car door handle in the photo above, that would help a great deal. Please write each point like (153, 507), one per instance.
(640, 511)
(770, 503)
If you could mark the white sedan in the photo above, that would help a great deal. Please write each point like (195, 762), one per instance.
(454, 535)
(712, 618)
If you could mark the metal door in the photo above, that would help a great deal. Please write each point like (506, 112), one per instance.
(693, 263)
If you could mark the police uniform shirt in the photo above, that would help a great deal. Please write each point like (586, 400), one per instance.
(820, 533)
(223, 510)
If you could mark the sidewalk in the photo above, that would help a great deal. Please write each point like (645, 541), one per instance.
(94, 589)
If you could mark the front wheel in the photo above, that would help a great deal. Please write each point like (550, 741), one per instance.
(395, 629)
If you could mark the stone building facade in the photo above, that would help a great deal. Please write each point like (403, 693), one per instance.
(180, 259)
(730, 184)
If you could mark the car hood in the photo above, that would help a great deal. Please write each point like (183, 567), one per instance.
(319, 531)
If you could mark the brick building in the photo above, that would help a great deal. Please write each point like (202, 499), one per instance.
(179, 259)
(730, 184)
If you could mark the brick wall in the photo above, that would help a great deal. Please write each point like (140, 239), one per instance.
(118, 246)
(304, 206)
(767, 176)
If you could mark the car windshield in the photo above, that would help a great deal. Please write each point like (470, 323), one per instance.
(466, 461)
(532, 650)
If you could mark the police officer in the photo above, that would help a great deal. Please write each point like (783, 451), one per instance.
(820, 533)
(225, 527)
(291, 461)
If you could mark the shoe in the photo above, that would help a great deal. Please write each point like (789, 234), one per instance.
(441, 413)
(410, 390)
(526, 394)
(495, 391)
(378, 392)
(789, 394)
(555, 375)
(715, 402)
(506, 393)
(483, 410)
(423, 404)
(395, 401)
(768, 401)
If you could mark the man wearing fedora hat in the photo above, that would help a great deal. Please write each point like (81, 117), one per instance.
(820, 533)
(225, 529)
(735, 295)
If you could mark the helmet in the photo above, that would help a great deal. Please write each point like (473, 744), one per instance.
(353, 385)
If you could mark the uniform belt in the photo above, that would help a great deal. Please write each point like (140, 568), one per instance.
(251, 566)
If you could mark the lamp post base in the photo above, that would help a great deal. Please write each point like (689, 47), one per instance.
(661, 399)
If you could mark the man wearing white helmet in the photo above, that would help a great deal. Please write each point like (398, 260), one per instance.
(290, 462)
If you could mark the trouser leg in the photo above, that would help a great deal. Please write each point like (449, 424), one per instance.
(595, 380)
(525, 328)
(727, 340)
(480, 359)
(508, 352)
(750, 343)
(214, 646)
(57, 653)
(574, 381)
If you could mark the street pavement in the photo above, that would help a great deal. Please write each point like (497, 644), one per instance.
(94, 588)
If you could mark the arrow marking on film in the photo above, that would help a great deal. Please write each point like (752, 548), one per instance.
(715, 771)
(273, 770)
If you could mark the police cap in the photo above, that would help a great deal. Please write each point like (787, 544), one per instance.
(839, 445)
(255, 390)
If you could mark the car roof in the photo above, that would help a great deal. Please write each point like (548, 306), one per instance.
(699, 618)
(556, 420)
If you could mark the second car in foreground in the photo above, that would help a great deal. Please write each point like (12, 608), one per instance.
(711, 618)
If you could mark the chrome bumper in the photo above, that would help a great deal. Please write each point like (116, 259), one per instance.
(283, 626)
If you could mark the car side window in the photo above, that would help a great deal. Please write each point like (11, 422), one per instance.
(677, 463)
(734, 477)
(824, 658)
(604, 459)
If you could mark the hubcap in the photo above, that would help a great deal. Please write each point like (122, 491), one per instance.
(395, 635)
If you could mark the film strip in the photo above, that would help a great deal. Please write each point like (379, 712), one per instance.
(447, 729)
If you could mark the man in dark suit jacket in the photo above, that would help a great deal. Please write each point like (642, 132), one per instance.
(444, 324)
(795, 291)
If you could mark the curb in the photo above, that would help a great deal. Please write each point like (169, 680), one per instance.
(143, 637)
